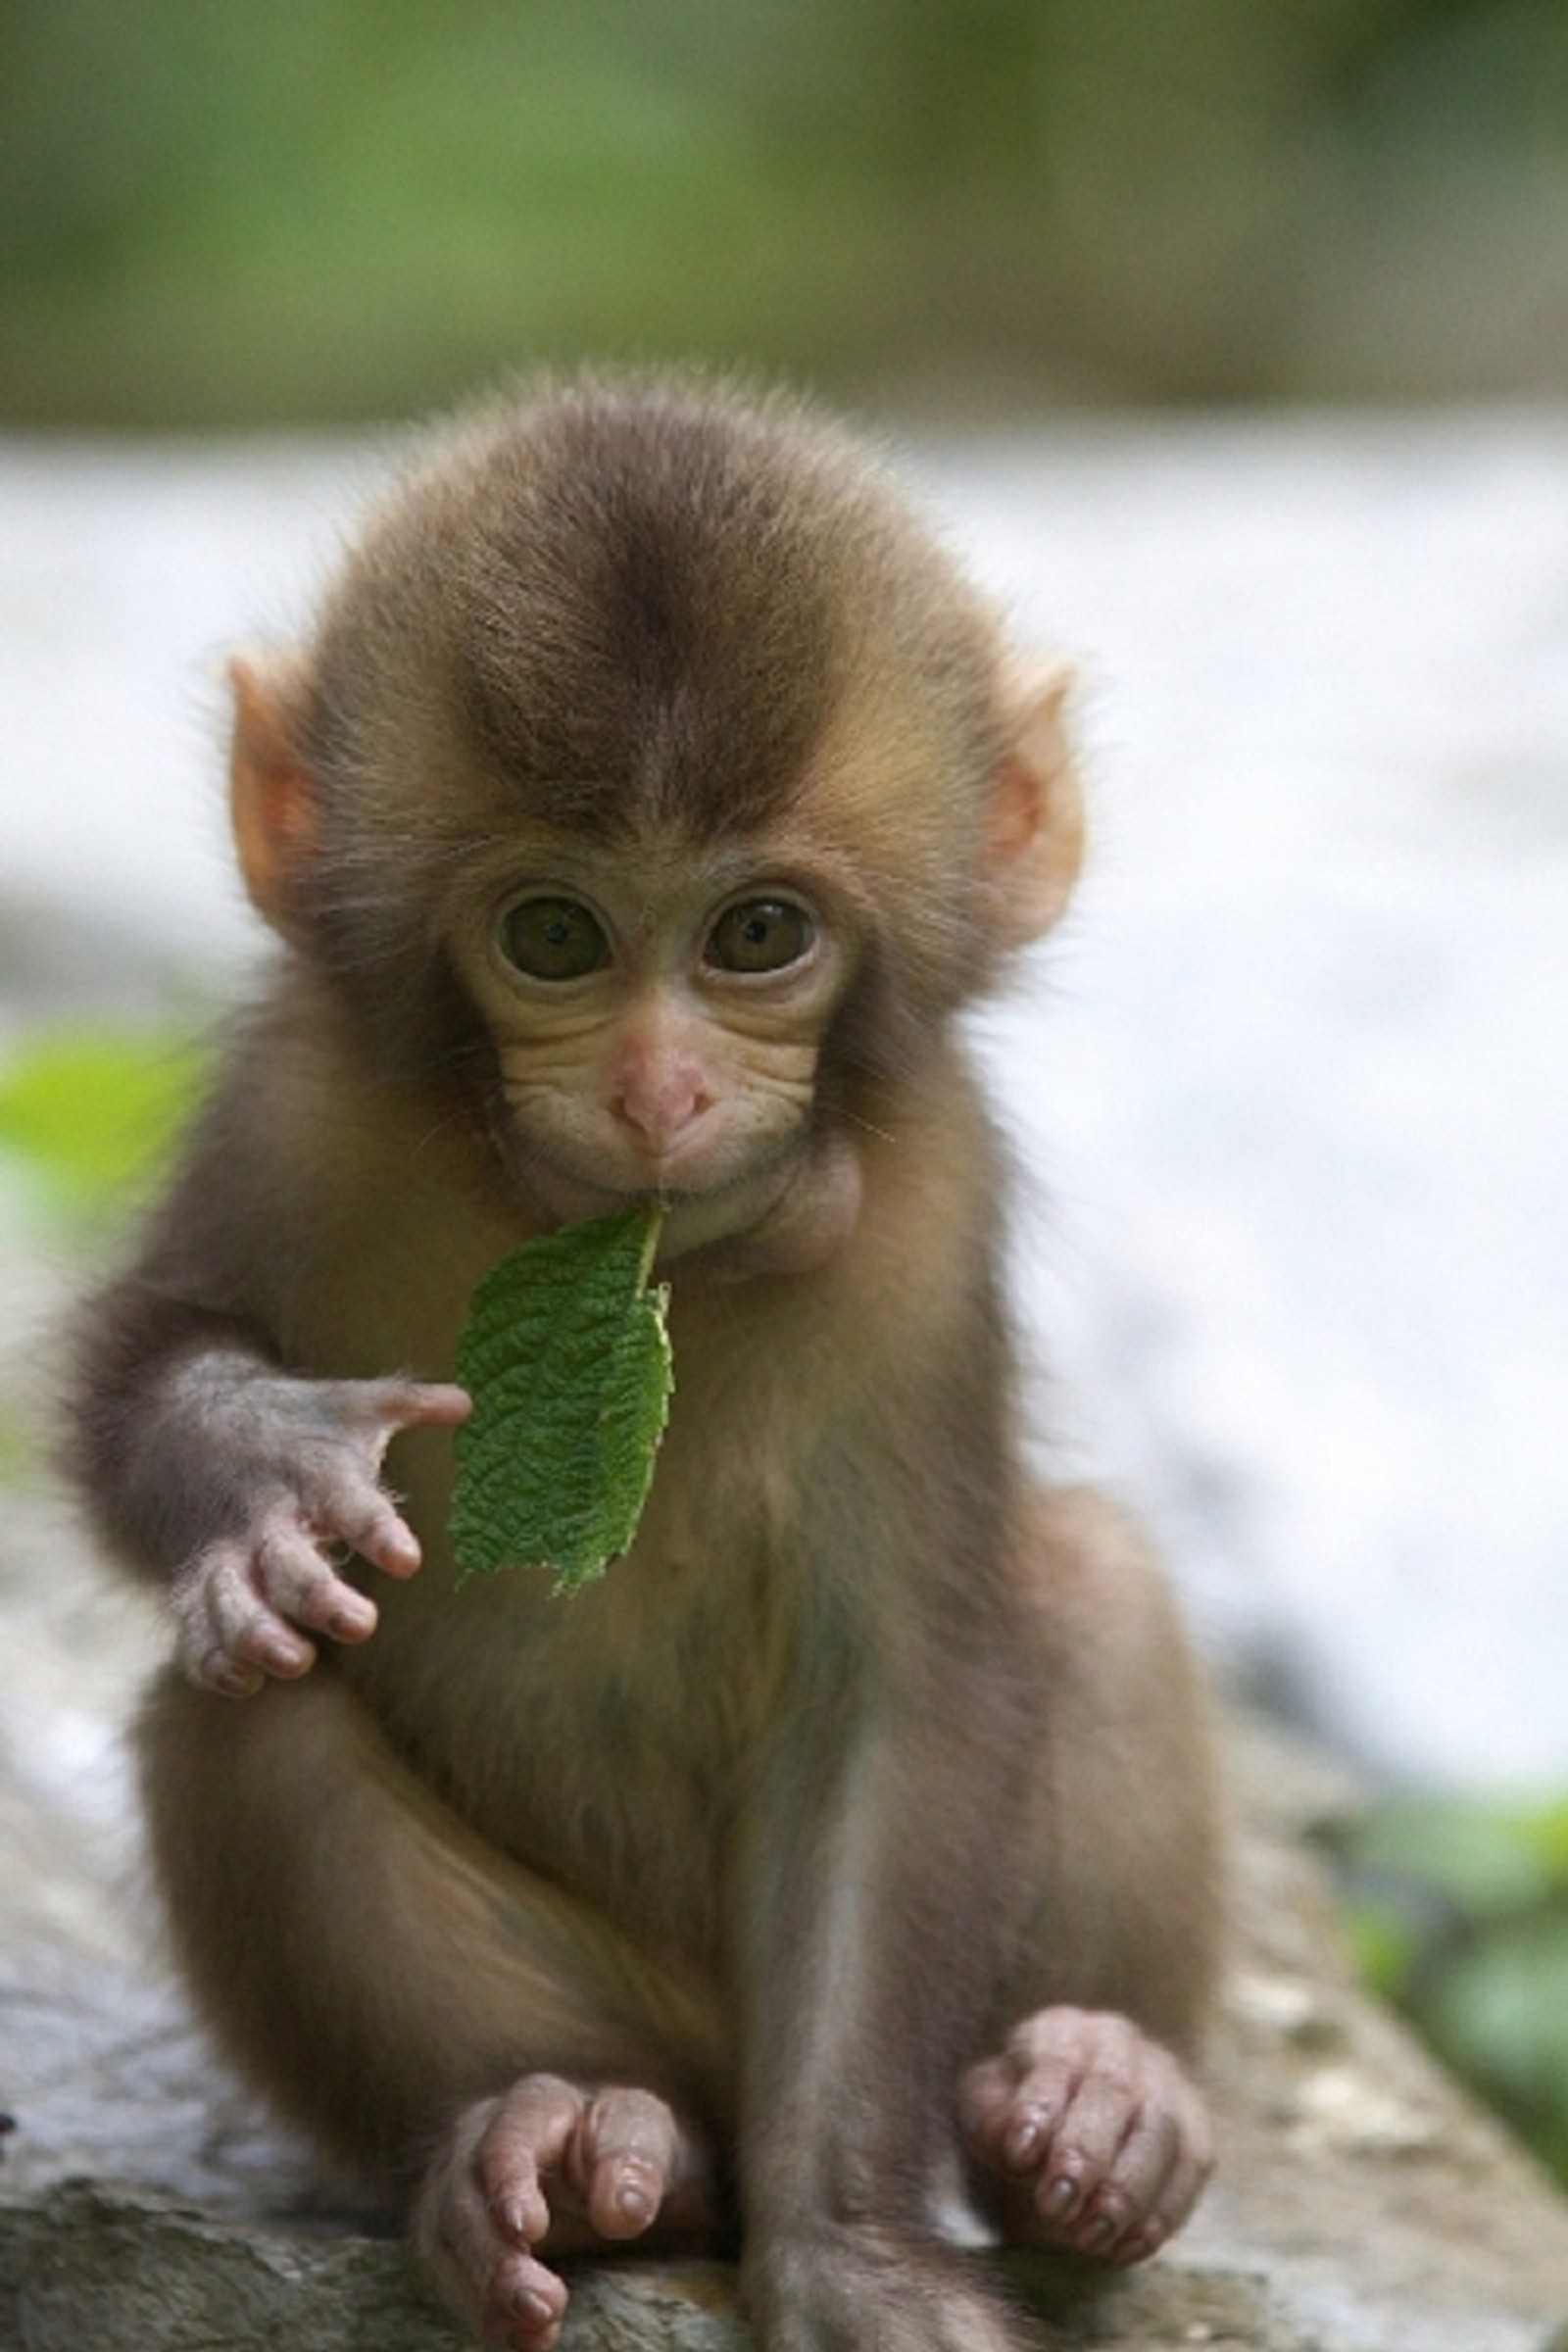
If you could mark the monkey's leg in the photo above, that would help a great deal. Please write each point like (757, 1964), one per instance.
(1084, 2127)
(876, 1865)
(421, 2004)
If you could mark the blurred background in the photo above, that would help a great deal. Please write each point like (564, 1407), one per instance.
(217, 214)
(1230, 339)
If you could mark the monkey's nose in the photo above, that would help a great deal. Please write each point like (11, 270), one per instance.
(663, 1106)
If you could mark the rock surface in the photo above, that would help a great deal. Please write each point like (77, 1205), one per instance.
(1362, 2206)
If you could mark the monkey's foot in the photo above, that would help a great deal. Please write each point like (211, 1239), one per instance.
(554, 2167)
(836, 2287)
(1092, 2136)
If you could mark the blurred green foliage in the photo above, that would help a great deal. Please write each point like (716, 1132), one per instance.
(88, 1115)
(1459, 1910)
(212, 211)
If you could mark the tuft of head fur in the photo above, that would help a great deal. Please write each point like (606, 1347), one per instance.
(645, 601)
(652, 610)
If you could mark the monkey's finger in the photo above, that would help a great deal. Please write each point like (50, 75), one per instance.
(298, 1583)
(513, 2301)
(1120, 2143)
(1128, 2188)
(526, 2138)
(342, 1504)
(339, 1502)
(252, 1607)
(526, 2305)
(1182, 2186)
(344, 1498)
(214, 1670)
(489, 2272)
(228, 1636)
(624, 2158)
(438, 1403)
(378, 1408)
(1009, 2106)
(1082, 2147)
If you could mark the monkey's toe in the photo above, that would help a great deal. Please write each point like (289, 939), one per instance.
(1088, 2135)
(605, 2162)
(524, 2305)
(554, 2167)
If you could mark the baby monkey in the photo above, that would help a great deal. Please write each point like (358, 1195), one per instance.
(651, 797)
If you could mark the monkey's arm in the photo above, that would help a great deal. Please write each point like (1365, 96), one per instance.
(207, 1456)
(239, 1482)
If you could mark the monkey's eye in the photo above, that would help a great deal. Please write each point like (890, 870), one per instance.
(759, 935)
(553, 939)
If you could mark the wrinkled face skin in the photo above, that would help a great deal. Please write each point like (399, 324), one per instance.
(657, 1018)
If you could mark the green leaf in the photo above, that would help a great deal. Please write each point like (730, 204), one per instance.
(567, 1357)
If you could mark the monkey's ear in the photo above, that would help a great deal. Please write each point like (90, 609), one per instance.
(1035, 824)
(271, 796)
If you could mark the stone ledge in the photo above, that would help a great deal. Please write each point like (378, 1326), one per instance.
(126, 2271)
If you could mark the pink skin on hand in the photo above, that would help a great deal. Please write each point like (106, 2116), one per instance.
(250, 1604)
(1095, 2135)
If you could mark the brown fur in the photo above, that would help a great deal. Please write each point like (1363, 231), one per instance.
(863, 1755)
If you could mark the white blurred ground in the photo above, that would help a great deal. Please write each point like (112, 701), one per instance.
(1295, 1079)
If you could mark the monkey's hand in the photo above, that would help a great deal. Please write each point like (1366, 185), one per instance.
(300, 1464)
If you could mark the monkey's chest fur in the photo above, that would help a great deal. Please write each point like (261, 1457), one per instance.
(837, 1469)
(613, 1739)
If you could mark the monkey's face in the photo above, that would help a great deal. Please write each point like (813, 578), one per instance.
(657, 1020)
(654, 781)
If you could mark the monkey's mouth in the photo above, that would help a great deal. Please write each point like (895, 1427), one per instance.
(789, 1214)
(696, 1214)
